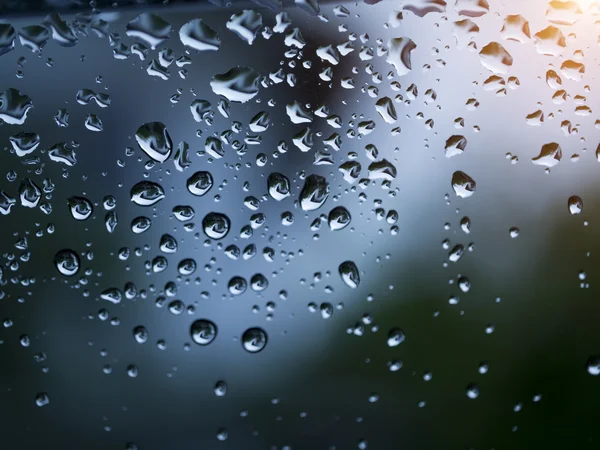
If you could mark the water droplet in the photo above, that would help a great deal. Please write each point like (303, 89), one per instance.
(239, 84)
(575, 205)
(14, 106)
(200, 183)
(67, 262)
(297, 113)
(112, 295)
(314, 192)
(258, 282)
(34, 37)
(203, 331)
(147, 193)
(216, 225)
(593, 365)
(29, 193)
(395, 337)
(278, 186)
(349, 273)
(455, 145)
(494, 57)
(199, 36)
(339, 218)
(254, 340)
(24, 143)
(42, 399)
(140, 334)
(386, 109)
(7, 38)
(237, 285)
(463, 185)
(399, 54)
(549, 41)
(150, 28)
(220, 388)
(141, 224)
(168, 244)
(472, 391)
(245, 24)
(153, 138)
(81, 208)
(550, 155)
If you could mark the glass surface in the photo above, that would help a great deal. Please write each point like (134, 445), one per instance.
(299, 226)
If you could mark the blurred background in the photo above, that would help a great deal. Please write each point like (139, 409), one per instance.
(471, 320)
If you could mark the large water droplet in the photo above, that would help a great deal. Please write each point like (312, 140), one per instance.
(7, 38)
(399, 51)
(237, 285)
(278, 186)
(34, 37)
(339, 218)
(24, 143)
(238, 84)
(592, 365)
(147, 193)
(494, 57)
(203, 331)
(463, 185)
(151, 29)
(254, 340)
(575, 205)
(29, 193)
(67, 262)
(200, 183)
(81, 208)
(199, 36)
(216, 225)
(14, 106)
(140, 334)
(550, 155)
(349, 273)
(153, 138)
(395, 337)
(245, 24)
(422, 7)
(314, 192)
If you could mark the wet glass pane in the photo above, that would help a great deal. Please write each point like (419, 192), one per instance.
(299, 224)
